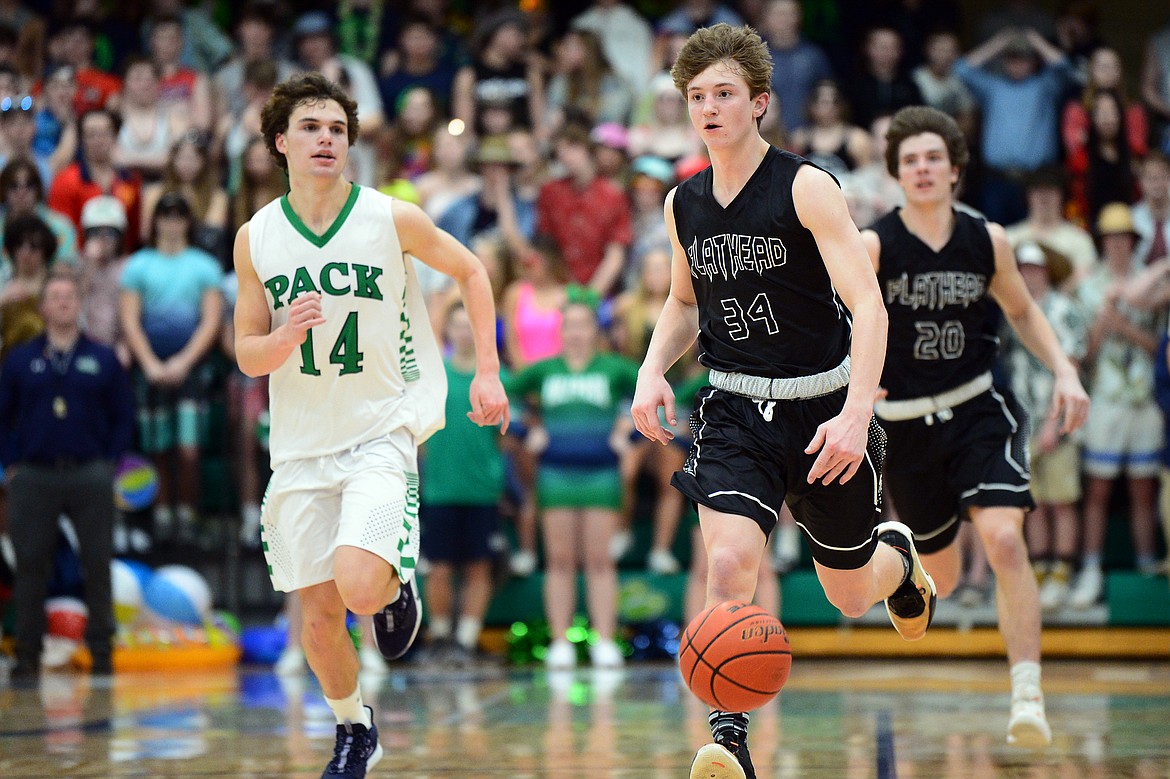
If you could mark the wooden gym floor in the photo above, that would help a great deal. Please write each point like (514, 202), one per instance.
(925, 719)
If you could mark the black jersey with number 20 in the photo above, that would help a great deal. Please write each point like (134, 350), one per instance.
(942, 325)
(766, 304)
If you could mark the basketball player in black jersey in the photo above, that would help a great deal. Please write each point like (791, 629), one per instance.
(769, 270)
(958, 445)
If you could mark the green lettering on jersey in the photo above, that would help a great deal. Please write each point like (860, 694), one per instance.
(327, 282)
(367, 281)
(302, 283)
(277, 285)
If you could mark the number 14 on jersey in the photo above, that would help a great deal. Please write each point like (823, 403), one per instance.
(345, 350)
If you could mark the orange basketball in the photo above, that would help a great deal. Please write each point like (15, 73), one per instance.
(735, 656)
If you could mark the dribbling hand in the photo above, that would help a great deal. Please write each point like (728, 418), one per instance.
(652, 393)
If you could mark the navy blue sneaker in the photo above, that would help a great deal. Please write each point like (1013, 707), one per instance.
(396, 625)
(357, 750)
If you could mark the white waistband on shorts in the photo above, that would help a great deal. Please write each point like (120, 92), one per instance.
(915, 408)
(797, 388)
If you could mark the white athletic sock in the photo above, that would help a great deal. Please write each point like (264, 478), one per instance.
(1025, 675)
(440, 627)
(350, 709)
(467, 633)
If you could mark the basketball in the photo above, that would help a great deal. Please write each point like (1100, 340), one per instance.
(735, 656)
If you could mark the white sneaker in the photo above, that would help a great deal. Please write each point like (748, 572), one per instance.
(139, 540)
(163, 523)
(561, 655)
(1028, 727)
(522, 563)
(606, 654)
(786, 549)
(1088, 588)
(291, 661)
(714, 761)
(662, 561)
(250, 525)
(620, 543)
(1054, 588)
(121, 539)
(372, 661)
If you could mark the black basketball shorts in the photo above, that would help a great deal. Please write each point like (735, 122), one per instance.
(939, 467)
(748, 458)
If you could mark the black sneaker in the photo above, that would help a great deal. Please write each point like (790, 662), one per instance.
(723, 760)
(396, 625)
(357, 750)
(911, 606)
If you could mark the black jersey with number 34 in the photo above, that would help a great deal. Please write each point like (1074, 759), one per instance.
(942, 325)
(766, 304)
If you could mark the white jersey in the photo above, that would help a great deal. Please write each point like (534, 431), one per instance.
(374, 365)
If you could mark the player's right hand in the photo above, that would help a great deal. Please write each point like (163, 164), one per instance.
(653, 392)
(304, 312)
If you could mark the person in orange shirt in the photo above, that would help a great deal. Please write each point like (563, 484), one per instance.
(96, 174)
(73, 46)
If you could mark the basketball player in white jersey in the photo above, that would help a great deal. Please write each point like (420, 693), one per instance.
(771, 273)
(329, 307)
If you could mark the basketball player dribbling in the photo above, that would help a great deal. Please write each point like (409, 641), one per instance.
(330, 308)
(770, 271)
(957, 445)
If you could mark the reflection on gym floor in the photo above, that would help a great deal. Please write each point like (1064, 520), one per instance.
(845, 720)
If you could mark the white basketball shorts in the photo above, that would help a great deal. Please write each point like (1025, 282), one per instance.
(366, 497)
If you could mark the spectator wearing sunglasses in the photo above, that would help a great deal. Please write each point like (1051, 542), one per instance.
(18, 131)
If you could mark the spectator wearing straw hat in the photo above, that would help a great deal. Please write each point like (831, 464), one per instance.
(1123, 434)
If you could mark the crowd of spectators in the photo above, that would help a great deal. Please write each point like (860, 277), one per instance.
(545, 136)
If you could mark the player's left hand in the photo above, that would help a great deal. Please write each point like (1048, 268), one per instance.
(1069, 398)
(489, 402)
(841, 442)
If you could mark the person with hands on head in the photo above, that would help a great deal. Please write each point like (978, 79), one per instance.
(957, 444)
(330, 308)
(764, 233)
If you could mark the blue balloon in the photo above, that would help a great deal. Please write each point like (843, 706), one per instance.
(141, 570)
(178, 593)
(263, 644)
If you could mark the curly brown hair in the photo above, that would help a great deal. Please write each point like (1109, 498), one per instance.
(740, 46)
(299, 90)
(917, 119)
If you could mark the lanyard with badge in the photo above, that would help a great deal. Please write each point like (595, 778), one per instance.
(60, 362)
